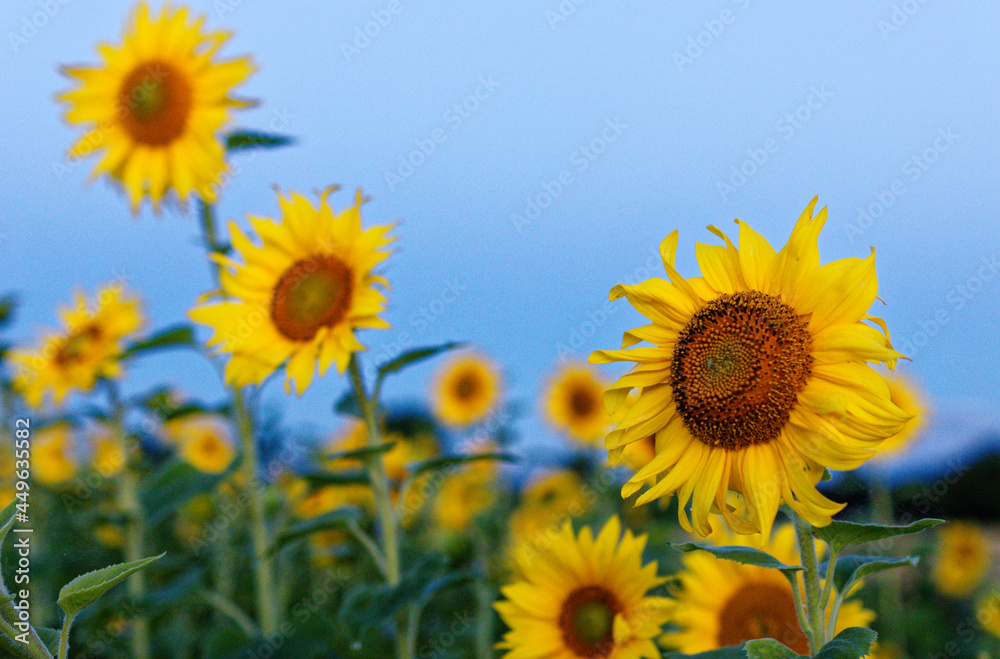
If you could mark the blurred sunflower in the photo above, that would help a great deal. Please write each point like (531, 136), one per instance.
(108, 535)
(547, 501)
(757, 377)
(464, 494)
(467, 390)
(988, 612)
(155, 106)
(961, 559)
(906, 396)
(204, 441)
(297, 298)
(573, 402)
(723, 603)
(52, 462)
(108, 459)
(89, 347)
(587, 597)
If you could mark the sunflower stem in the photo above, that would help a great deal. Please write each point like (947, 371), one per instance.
(127, 497)
(810, 576)
(263, 563)
(800, 611)
(828, 583)
(484, 598)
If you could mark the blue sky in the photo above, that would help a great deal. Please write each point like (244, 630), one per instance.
(634, 119)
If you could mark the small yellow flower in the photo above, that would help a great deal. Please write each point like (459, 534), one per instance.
(155, 106)
(108, 535)
(51, 461)
(723, 603)
(467, 390)
(586, 597)
(298, 298)
(574, 403)
(906, 396)
(988, 612)
(548, 500)
(464, 494)
(961, 559)
(204, 441)
(88, 347)
(108, 458)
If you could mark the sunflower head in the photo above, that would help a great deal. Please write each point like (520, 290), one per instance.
(297, 299)
(108, 458)
(203, 440)
(756, 377)
(87, 347)
(574, 403)
(961, 559)
(155, 105)
(466, 493)
(467, 390)
(546, 502)
(587, 597)
(52, 459)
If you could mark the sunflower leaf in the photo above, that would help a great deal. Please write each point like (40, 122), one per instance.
(768, 648)
(86, 588)
(348, 406)
(243, 140)
(721, 653)
(50, 638)
(852, 643)
(414, 356)
(173, 485)
(840, 534)
(364, 453)
(335, 519)
(319, 477)
(744, 555)
(449, 461)
(171, 337)
(851, 569)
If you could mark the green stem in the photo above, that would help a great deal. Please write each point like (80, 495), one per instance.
(135, 523)
(263, 562)
(824, 599)
(800, 611)
(370, 546)
(890, 600)
(64, 637)
(810, 576)
(484, 599)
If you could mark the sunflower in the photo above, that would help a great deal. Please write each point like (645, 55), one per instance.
(203, 440)
(52, 462)
(587, 597)
(299, 297)
(108, 458)
(723, 603)
(467, 389)
(466, 493)
(573, 403)
(547, 501)
(988, 612)
(907, 397)
(155, 106)
(961, 560)
(756, 378)
(88, 347)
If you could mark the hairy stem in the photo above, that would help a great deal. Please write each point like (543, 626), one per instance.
(810, 576)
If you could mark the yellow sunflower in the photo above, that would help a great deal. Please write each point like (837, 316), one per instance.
(155, 106)
(88, 347)
(756, 379)
(467, 390)
(52, 461)
(546, 502)
(466, 493)
(205, 441)
(907, 397)
(988, 612)
(573, 403)
(299, 296)
(723, 603)
(961, 559)
(587, 597)
(108, 458)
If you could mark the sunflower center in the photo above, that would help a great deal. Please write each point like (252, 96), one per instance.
(587, 621)
(738, 367)
(466, 386)
(582, 403)
(155, 102)
(761, 610)
(313, 293)
(76, 346)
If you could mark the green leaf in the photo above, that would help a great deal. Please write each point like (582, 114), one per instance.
(448, 461)
(854, 568)
(364, 453)
(171, 337)
(319, 477)
(852, 643)
(242, 140)
(414, 356)
(50, 638)
(744, 555)
(348, 406)
(721, 653)
(8, 305)
(768, 648)
(173, 485)
(86, 588)
(335, 519)
(7, 516)
(826, 475)
(840, 534)
(368, 606)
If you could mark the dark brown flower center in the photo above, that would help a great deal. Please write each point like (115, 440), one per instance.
(467, 386)
(154, 103)
(314, 293)
(582, 403)
(761, 610)
(76, 345)
(738, 367)
(587, 621)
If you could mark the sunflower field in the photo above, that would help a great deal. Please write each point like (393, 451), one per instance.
(247, 414)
